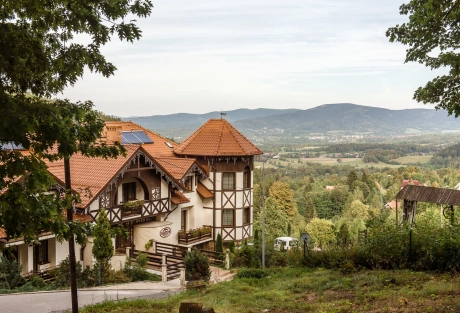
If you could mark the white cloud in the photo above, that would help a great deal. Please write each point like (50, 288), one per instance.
(197, 56)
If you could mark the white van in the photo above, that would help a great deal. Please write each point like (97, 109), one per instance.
(285, 243)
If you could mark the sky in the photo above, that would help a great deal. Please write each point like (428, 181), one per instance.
(214, 55)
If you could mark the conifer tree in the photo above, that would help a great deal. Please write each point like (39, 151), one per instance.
(102, 245)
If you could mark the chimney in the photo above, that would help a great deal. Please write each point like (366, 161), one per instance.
(113, 133)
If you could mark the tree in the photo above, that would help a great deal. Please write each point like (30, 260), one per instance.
(102, 245)
(283, 196)
(432, 35)
(219, 244)
(321, 231)
(38, 59)
(351, 178)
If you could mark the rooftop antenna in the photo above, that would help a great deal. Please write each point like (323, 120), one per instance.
(222, 114)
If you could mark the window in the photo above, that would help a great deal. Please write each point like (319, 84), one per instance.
(228, 181)
(183, 220)
(189, 183)
(247, 178)
(246, 215)
(42, 252)
(129, 192)
(228, 217)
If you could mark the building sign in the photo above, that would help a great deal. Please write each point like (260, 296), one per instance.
(165, 232)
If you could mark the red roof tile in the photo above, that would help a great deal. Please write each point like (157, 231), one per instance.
(91, 174)
(177, 167)
(177, 197)
(2, 233)
(204, 191)
(156, 149)
(217, 137)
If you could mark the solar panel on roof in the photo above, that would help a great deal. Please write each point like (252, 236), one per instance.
(135, 137)
(142, 136)
(128, 137)
(11, 146)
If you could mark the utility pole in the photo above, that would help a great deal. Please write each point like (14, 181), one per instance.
(263, 214)
(73, 271)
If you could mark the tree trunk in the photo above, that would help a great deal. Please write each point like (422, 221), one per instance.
(73, 265)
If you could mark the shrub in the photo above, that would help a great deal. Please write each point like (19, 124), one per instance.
(10, 274)
(85, 278)
(138, 271)
(196, 266)
(36, 281)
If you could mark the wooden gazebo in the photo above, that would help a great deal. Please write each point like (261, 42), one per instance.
(412, 194)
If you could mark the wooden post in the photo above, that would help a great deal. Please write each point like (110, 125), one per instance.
(154, 246)
(227, 260)
(164, 268)
(128, 252)
(182, 277)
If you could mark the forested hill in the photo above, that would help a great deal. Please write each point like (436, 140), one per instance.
(182, 123)
(342, 118)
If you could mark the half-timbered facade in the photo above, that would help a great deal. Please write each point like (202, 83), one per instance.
(159, 191)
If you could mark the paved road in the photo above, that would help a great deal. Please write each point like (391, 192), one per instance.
(47, 302)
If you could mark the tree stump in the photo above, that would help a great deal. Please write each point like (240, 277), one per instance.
(190, 307)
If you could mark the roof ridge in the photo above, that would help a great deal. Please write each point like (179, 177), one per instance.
(220, 137)
(229, 127)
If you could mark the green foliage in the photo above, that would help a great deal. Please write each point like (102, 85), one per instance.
(37, 282)
(10, 274)
(219, 244)
(432, 40)
(283, 198)
(138, 271)
(196, 266)
(252, 273)
(321, 232)
(85, 278)
(231, 246)
(102, 245)
(39, 59)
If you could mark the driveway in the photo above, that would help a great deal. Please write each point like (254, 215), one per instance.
(59, 301)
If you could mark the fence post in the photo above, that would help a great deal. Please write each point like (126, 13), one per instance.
(128, 251)
(164, 268)
(182, 276)
(154, 246)
(227, 259)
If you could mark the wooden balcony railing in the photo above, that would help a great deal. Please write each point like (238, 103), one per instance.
(195, 235)
(145, 208)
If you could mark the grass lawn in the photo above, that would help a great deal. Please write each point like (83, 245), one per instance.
(423, 159)
(304, 290)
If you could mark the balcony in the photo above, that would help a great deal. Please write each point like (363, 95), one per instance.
(194, 235)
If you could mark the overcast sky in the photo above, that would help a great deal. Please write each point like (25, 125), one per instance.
(205, 55)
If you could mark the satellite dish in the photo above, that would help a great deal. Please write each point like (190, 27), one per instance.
(305, 238)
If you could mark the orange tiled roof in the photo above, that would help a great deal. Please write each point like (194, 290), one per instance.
(156, 149)
(2, 233)
(204, 191)
(177, 167)
(91, 173)
(217, 137)
(177, 197)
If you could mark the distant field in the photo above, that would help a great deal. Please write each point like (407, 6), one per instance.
(423, 159)
(357, 162)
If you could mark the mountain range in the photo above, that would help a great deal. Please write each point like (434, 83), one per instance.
(338, 118)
